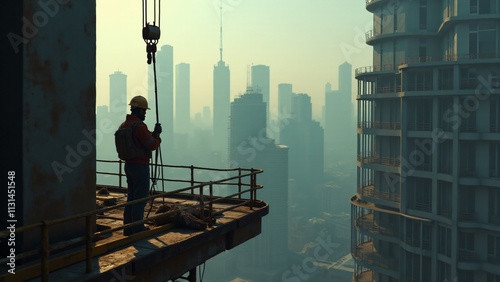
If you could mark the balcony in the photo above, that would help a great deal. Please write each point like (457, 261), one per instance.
(466, 216)
(365, 276)
(418, 243)
(379, 125)
(395, 162)
(427, 61)
(367, 222)
(420, 126)
(369, 191)
(466, 255)
(373, 69)
(388, 89)
(365, 253)
(495, 173)
(422, 206)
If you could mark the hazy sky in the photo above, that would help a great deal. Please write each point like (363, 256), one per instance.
(302, 41)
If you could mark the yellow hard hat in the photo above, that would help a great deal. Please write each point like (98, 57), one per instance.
(140, 102)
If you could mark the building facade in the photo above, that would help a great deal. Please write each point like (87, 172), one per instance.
(340, 135)
(221, 105)
(427, 206)
(260, 82)
(263, 258)
(118, 104)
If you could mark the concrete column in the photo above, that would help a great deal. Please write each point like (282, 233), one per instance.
(53, 126)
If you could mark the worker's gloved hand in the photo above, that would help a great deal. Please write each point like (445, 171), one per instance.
(157, 131)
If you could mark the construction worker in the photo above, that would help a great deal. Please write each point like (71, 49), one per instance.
(137, 167)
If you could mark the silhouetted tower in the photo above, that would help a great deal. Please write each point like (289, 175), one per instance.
(284, 103)
(221, 102)
(260, 83)
(118, 104)
(182, 98)
(265, 256)
(340, 130)
(305, 140)
(165, 78)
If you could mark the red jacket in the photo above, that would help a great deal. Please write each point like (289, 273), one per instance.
(142, 138)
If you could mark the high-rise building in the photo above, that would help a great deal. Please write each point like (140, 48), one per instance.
(427, 206)
(221, 102)
(260, 82)
(265, 257)
(182, 98)
(340, 130)
(165, 83)
(285, 94)
(221, 105)
(304, 138)
(118, 104)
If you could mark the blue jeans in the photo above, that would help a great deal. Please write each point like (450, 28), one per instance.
(138, 187)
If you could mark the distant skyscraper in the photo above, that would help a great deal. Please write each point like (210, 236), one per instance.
(340, 130)
(284, 101)
(427, 204)
(266, 255)
(182, 99)
(260, 82)
(305, 140)
(165, 78)
(221, 102)
(118, 104)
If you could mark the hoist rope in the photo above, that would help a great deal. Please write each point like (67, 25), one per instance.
(151, 48)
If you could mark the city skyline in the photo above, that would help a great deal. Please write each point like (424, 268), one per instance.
(302, 51)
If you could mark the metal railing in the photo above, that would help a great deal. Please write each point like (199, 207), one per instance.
(424, 59)
(367, 222)
(205, 199)
(379, 125)
(370, 191)
(374, 159)
(363, 253)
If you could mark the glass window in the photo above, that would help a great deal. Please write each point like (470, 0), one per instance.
(423, 15)
(445, 80)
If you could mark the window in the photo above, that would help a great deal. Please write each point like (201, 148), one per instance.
(419, 80)
(444, 271)
(482, 6)
(468, 108)
(467, 203)
(445, 157)
(420, 153)
(444, 239)
(420, 114)
(495, 114)
(423, 14)
(444, 198)
(447, 122)
(493, 249)
(466, 246)
(421, 190)
(494, 159)
(468, 78)
(494, 206)
(422, 49)
(445, 79)
(467, 158)
(483, 40)
(412, 267)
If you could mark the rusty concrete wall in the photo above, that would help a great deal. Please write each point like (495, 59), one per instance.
(59, 95)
